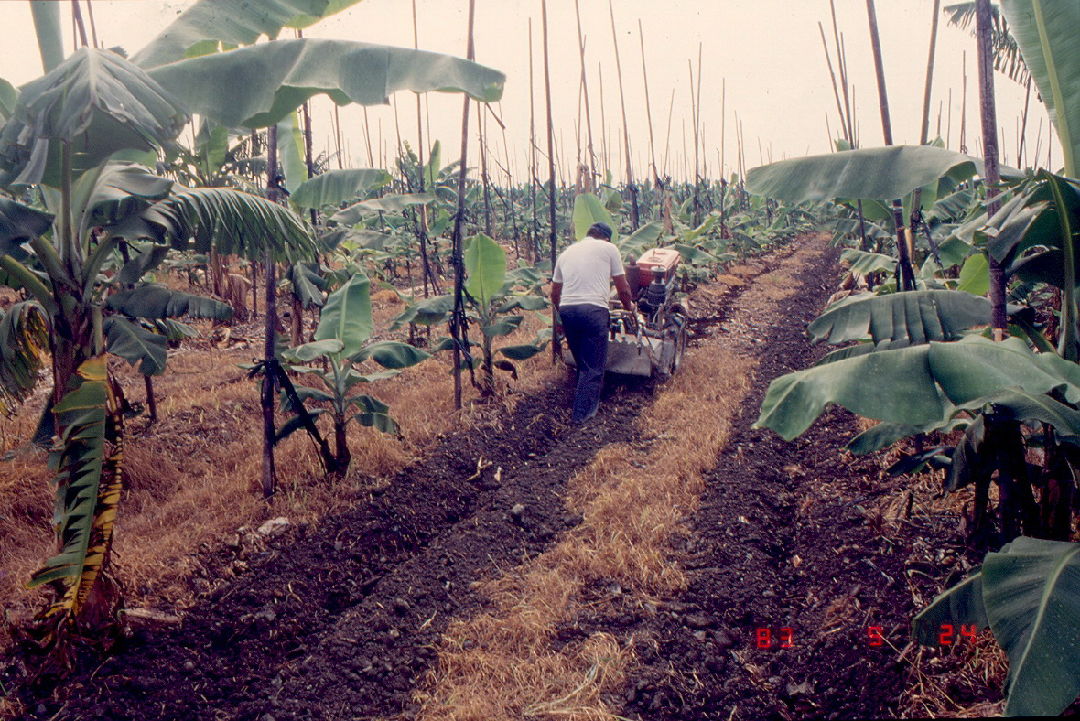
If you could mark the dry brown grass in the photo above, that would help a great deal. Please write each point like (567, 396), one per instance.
(193, 478)
(632, 500)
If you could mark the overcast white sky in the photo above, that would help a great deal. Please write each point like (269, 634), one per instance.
(767, 53)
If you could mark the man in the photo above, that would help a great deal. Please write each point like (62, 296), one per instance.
(580, 288)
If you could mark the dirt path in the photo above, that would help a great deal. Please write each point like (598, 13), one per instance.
(788, 569)
(343, 620)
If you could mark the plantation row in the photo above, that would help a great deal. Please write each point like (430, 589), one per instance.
(88, 233)
(957, 326)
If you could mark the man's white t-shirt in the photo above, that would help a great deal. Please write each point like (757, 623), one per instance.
(585, 269)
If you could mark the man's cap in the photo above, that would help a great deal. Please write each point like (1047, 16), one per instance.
(600, 230)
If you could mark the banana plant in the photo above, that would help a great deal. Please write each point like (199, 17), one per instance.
(1006, 395)
(493, 303)
(79, 256)
(340, 343)
(67, 130)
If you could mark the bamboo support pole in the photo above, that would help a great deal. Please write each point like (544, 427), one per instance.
(634, 219)
(841, 65)
(458, 321)
(988, 118)
(553, 193)
(907, 273)
(591, 153)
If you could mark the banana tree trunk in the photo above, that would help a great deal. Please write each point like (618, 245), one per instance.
(342, 454)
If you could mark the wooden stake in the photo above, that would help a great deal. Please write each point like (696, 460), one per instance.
(429, 276)
(634, 220)
(988, 117)
(458, 321)
(907, 273)
(836, 90)
(269, 475)
(667, 141)
(585, 93)
(603, 123)
(924, 129)
(553, 194)
(1023, 124)
(963, 110)
(841, 63)
(534, 246)
(648, 103)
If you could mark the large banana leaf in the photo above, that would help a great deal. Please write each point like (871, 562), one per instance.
(24, 347)
(426, 311)
(1045, 32)
(156, 301)
(308, 284)
(863, 263)
(137, 345)
(95, 100)
(259, 85)
(393, 354)
(880, 173)
(374, 413)
(20, 223)
(8, 96)
(207, 25)
(347, 315)
(901, 319)
(920, 386)
(290, 150)
(144, 258)
(88, 486)
(337, 186)
(50, 38)
(1029, 595)
(116, 192)
(1032, 597)
(232, 221)
(647, 236)
(588, 210)
(386, 204)
(485, 264)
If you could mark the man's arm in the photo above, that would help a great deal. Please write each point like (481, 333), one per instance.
(556, 294)
(623, 289)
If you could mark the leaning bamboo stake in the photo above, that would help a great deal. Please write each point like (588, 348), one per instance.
(430, 280)
(458, 321)
(534, 246)
(1023, 124)
(907, 273)
(648, 102)
(836, 90)
(924, 129)
(697, 133)
(553, 194)
(988, 117)
(603, 123)
(963, 109)
(634, 219)
(481, 123)
(585, 94)
(667, 140)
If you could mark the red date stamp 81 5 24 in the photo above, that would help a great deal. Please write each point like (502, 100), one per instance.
(949, 634)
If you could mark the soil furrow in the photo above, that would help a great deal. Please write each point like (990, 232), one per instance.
(342, 615)
(787, 572)
(341, 619)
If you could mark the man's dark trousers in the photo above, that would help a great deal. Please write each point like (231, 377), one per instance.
(586, 329)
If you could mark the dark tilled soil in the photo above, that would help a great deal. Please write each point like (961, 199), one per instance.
(338, 620)
(791, 580)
